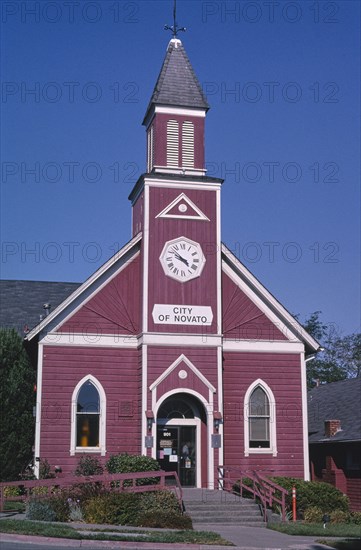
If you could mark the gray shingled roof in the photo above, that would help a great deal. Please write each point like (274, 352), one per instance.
(177, 83)
(335, 401)
(21, 302)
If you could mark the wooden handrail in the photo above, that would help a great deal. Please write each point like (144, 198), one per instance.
(262, 487)
(125, 483)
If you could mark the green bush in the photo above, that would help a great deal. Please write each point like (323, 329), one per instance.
(164, 501)
(40, 511)
(124, 463)
(339, 516)
(167, 519)
(45, 470)
(89, 466)
(313, 493)
(60, 506)
(82, 492)
(313, 514)
(12, 491)
(356, 518)
(112, 508)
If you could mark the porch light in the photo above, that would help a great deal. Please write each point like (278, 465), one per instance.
(217, 419)
(150, 417)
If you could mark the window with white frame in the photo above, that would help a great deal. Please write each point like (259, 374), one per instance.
(88, 416)
(260, 419)
(172, 143)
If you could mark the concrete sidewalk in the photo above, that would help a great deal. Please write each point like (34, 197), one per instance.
(244, 538)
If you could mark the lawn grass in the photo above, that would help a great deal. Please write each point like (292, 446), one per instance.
(316, 529)
(16, 506)
(351, 544)
(26, 527)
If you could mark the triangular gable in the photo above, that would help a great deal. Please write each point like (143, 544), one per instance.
(182, 207)
(94, 284)
(265, 305)
(182, 359)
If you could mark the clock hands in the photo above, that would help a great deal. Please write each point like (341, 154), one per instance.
(181, 259)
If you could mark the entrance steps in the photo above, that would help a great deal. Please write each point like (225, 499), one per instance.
(207, 506)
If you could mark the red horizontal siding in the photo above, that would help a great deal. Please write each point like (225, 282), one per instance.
(242, 319)
(162, 289)
(115, 309)
(281, 372)
(118, 372)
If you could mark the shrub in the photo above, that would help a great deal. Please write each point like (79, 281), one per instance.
(45, 470)
(313, 493)
(12, 491)
(60, 506)
(124, 463)
(113, 508)
(168, 519)
(356, 518)
(75, 511)
(82, 492)
(339, 516)
(313, 514)
(89, 466)
(164, 501)
(40, 511)
(40, 490)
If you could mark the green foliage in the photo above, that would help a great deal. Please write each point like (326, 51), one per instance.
(167, 519)
(339, 516)
(40, 511)
(112, 508)
(313, 514)
(89, 466)
(45, 470)
(356, 518)
(313, 493)
(341, 357)
(158, 501)
(83, 492)
(124, 463)
(12, 491)
(60, 507)
(316, 529)
(40, 490)
(17, 398)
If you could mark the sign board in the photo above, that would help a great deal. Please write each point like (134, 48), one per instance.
(216, 441)
(173, 314)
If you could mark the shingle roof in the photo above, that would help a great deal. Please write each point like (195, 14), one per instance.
(177, 84)
(21, 302)
(335, 401)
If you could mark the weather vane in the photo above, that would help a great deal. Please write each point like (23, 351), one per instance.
(175, 29)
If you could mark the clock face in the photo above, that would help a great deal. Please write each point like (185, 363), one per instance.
(182, 259)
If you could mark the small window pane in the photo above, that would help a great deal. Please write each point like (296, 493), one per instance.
(87, 433)
(259, 429)
(88, 399)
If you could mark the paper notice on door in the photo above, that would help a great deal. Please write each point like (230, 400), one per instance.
(161, 455)
(167, 451)
(173, 458)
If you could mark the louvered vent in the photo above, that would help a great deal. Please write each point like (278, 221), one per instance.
(188, 145)
(172, 143)
(150, 149)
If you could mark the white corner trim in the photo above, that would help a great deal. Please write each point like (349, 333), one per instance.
(102, 417)
(39, 390)
(92, 279)
(145, 243)
(184, 359)
(306, 457)
(272, 449)
(219, 261)
(182, 197)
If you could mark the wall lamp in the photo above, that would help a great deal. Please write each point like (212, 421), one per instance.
(217, 419)
(150, 418)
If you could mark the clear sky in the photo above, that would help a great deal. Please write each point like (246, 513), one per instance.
(283, 82)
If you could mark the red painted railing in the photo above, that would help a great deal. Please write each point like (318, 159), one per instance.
(151, 481)
(262, 488)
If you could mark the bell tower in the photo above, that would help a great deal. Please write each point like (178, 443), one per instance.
(175, 117)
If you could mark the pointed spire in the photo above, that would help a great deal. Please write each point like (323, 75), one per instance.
(177, 84)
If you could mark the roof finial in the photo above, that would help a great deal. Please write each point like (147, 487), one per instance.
(175, 29)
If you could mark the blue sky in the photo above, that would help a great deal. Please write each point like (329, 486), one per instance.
(282, 79)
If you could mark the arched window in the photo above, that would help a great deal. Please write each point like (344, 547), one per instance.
(88, 408)
(260, 419)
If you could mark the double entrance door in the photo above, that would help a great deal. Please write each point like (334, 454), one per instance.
(176, 452)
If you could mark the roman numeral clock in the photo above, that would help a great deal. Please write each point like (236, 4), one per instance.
(182, 259)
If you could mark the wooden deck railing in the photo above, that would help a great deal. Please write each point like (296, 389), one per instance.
(262, 487)
(151, 481)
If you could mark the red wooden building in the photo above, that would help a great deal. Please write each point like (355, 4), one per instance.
(173, 348)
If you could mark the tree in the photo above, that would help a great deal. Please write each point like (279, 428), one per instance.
(341, 357)
(17, 379)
